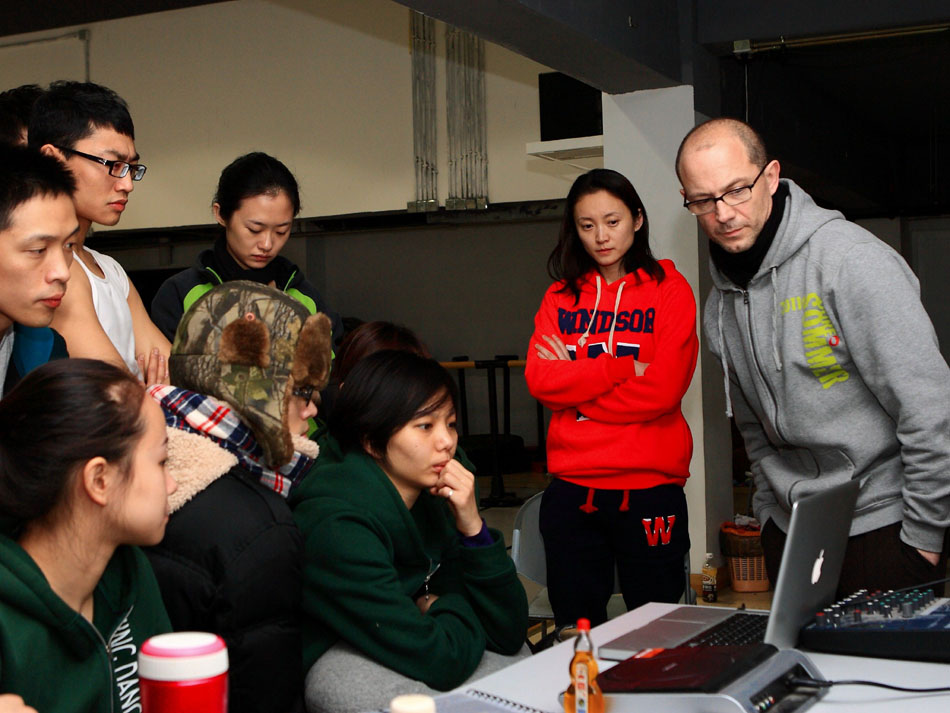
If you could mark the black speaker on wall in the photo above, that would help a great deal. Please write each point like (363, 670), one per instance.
(569, 108)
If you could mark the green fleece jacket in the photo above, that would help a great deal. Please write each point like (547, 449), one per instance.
(368, 557)
(53, 657)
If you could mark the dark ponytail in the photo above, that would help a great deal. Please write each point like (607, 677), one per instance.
(56, 419)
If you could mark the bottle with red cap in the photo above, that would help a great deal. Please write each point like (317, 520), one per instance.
(184, 671)
(583, 695)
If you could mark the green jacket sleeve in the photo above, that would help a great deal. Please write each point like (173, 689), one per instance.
(352, 591)
(486, 577)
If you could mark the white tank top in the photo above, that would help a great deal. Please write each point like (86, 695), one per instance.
(110, 298)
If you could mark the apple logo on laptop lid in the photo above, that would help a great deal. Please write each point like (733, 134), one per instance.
(816, 568)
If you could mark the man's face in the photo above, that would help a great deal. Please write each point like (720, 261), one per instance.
(723, 165)
(99, 197)
(35, 254)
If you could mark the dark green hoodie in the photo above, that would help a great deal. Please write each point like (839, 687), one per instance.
(368, 557)
(53, 657)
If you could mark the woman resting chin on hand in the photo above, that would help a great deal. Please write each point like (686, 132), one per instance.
(405, 587)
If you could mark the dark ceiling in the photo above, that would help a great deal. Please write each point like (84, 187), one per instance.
(865, 125)
(19, 16)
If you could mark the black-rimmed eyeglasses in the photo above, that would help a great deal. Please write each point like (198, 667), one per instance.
(307, 393)
(117, 169)
(736, 196)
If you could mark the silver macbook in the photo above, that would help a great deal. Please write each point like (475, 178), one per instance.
(807, 580)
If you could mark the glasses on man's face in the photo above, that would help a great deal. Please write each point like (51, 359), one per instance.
(307, 394)
(117, 169)
(737, 196)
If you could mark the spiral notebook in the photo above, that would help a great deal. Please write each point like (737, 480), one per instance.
(474, 701)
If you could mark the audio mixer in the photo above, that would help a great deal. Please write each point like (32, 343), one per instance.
(912, 624)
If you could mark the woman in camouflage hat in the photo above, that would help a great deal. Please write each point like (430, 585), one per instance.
(248, 363)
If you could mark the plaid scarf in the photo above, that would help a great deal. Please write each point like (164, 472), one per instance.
(190, 411)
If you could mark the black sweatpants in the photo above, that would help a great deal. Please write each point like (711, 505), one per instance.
(641, 535)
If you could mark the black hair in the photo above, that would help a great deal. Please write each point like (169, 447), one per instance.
(60, 416)
(750, 138)
(569, 260)
(250, 175)
(372, 337)
(70, 111)
(26, 173)
(385, 391)
(16, 106)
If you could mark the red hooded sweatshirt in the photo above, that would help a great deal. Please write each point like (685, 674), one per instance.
(610, 428)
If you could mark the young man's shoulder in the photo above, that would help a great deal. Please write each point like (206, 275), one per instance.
(32, 347)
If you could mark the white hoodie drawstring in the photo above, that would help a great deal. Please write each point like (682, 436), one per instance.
(593, 316)
(613, 323)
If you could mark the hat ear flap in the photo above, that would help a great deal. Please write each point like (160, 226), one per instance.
(313, 354)
(245, 341)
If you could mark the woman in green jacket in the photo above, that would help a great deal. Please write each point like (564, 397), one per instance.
(82, 477)
(405, 588)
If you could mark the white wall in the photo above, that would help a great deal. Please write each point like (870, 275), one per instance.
(642, 131)
(322, 84)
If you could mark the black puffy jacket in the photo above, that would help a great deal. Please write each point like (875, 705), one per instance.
(230, 563)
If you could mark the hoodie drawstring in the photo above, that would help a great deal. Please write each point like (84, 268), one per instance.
(775, 354)
(722, 356)
(593, 317)
(613, 322)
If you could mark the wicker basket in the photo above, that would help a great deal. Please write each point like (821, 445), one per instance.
(748, 574)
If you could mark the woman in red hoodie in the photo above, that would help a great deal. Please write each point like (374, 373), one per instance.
(613, 351)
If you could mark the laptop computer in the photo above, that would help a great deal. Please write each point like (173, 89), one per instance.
(807, 580)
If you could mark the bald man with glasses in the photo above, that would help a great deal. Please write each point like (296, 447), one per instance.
(832, 367)
(88, 127)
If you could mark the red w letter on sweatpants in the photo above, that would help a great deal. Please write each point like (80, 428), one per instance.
(662, 529)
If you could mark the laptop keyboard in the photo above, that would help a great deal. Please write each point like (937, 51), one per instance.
(740, 628)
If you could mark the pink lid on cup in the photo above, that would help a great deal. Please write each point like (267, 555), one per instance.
(183, 656)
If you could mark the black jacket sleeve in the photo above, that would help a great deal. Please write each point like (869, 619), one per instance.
(230, 563)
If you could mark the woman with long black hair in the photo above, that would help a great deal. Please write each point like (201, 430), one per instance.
(613, 351)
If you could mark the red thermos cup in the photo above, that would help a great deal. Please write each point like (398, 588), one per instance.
(184, 671)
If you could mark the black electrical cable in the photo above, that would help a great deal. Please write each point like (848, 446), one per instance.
(815, 683)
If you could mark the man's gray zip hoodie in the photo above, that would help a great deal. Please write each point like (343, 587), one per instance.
(833, 372)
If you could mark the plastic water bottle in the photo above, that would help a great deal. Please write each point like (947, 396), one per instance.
(709, 580)
(583, 695)
(184, 671)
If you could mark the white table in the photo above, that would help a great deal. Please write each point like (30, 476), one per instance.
(536, 681)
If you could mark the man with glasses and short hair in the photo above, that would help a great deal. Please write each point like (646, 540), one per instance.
(88, 127)
(832, 366)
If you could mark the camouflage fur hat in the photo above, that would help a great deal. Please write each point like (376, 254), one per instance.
(248, 345)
